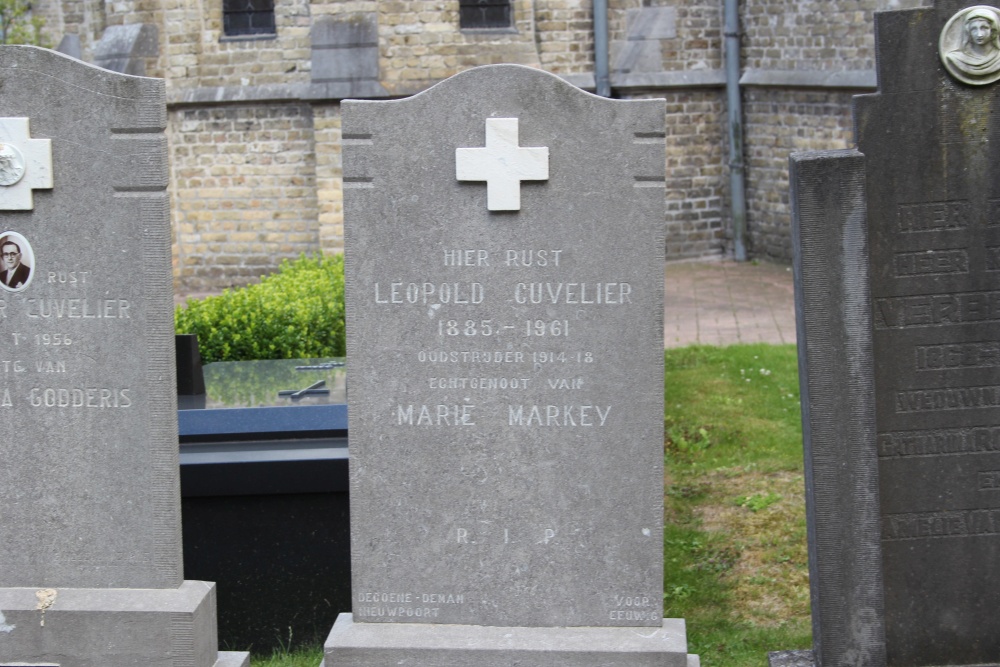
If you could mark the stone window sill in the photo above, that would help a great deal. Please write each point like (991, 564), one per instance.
(248, 38)
(488, 31)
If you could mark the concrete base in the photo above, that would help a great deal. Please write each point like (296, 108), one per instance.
(113, 627)
(353, 644)
(233, 659)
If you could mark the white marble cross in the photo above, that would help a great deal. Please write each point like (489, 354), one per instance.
(502, 164)
(25, 164)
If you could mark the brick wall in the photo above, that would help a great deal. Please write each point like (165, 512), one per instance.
(812, 34)
(696, 183)
(329, 173)
(779, 122)
(243, 191)
(565, 36)
(256, 161)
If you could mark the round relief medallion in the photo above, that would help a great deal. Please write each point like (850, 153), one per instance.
(11, 164)
(970, 45)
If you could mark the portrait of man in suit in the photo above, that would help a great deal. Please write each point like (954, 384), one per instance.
(15, 273)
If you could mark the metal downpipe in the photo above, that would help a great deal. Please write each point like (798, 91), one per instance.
(734, 108)
(602, 75)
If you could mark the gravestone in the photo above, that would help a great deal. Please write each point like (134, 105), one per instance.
(90, 550)
(504, 279)
(898, 295)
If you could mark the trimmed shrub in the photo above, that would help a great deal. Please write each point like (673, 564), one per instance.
(296, 313)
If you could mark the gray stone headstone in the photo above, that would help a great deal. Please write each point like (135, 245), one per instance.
(899, 295)
(90, 548)
(504, 265)
(124, 48)
(70, 46)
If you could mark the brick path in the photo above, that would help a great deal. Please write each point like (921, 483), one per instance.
(721, 303)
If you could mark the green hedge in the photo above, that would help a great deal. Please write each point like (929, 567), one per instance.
(295, 313)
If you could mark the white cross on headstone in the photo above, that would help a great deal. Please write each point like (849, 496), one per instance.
(502, 164)
(25, 164)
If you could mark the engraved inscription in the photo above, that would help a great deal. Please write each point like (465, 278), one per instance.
(89, 397)
(933, 216)
(993, 213)
(516, 258)
(53, 339)
(936, 310)
(557, 415)
(989, 480)
(931, 262)
(426, 293)
(935, 400)
(993, 258)
(581, 293)
(937, 442)
(469, 357)
(86, 309)
(960, 355)
(49, 366)
(486, 532)
(404, 604)
(486, 384)
(466, 258)
(930, 525)
(529, 258)
(633, 608)
(72, 278)
(435, 415)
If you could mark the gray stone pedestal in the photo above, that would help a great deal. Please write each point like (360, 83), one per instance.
(113, 627)
(353, 644)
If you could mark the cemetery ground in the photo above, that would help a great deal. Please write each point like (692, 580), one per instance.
(735, 536)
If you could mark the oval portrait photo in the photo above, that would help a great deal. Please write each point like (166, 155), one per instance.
(16, 263)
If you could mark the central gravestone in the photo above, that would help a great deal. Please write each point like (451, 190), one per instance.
(504, 267)
(90, 540)
(898, 290)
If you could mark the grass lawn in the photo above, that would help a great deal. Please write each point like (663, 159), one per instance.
(735, 548)
(305, 657)
(735, 538)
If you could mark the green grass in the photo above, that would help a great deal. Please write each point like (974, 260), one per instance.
(735, 546)
(304, 657)
(735, 550)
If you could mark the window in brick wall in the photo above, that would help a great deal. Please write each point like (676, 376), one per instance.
(478, 14)
(248, 17)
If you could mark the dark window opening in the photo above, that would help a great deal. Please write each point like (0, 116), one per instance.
(483, 14)
(248, 17)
